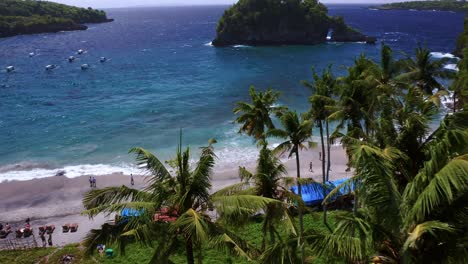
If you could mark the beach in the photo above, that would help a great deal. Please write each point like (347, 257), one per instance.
(57, 200)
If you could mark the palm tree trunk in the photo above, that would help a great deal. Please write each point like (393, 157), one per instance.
(272, 234)
(264, 231)
(324, 179)
(328, 150)
(200, 254)
(189, 251)
(301, 216)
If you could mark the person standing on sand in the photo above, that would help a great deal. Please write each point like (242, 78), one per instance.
(132, 182)
(94, 182)
(90, 182)
(311, 167)
(42, 236)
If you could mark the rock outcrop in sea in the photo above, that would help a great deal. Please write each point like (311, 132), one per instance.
(282, 22)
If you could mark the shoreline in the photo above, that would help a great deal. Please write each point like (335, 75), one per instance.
(57, 200)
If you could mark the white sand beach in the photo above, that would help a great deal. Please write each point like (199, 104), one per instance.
(57, 200)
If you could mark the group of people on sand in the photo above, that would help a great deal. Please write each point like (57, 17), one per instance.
(92, 182)
(26, 231)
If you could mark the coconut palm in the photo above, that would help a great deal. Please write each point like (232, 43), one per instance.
(268, 181)
(424, 70)
(425, 223)
(298, 132)
(255, 117)
(323, 105)
(185, 195)
(182, 195)
(460, 84)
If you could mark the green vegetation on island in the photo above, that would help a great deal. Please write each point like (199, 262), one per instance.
(30, 17)
(441, 5)
(275, 22)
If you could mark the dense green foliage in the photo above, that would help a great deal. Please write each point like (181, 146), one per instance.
(267, 22)
(26, 17)
(460, 84)
(462, 41)
(441, 5)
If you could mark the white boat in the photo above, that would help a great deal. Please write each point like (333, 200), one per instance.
(71, 59)
(329, 34)
(32, 54)
(103, 59)
(50, 67)
(80, 51)
(10, 68)
(84, 66)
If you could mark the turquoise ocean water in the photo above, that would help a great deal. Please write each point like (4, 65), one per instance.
(163, 75)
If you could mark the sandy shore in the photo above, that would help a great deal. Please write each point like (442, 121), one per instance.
(57, 200)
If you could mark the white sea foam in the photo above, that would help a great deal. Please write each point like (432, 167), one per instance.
(440, 55)
(451, 66)
(23, 173)
(241, 46)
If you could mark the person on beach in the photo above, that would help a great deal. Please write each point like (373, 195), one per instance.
(310, 167)
(50, 240)
(94, 182)
(132, 182)
(90, 182)
(320, 156)
(42, 236)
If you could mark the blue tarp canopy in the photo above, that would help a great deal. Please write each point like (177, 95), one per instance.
(127, 212)
(312, 194)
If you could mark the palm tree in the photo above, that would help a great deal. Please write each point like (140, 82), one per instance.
(185, 195)
(268, 181)
(297, 131)
(323, 105)
(255, 117)
(424, 71)
(424, 223)
(460, 84)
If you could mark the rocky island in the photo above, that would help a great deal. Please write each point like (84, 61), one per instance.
(445, 5)
(282, 22)
(19, 17)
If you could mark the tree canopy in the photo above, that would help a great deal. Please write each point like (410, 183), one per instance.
(27, 17)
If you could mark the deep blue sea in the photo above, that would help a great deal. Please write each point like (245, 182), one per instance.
(163, 75)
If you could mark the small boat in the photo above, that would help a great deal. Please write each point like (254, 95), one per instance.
(103, 59)
(80, 51)
(84, 66)
(10, 68)
(32, 54)
(71, 59)
(50, 67)
(329, 34)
